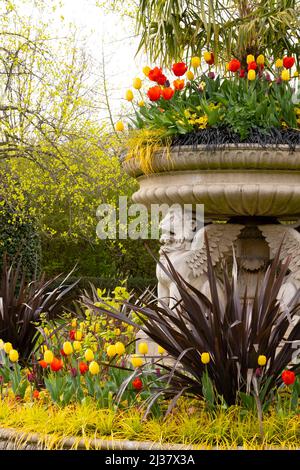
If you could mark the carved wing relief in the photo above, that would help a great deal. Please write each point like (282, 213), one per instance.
(220, 238)
(274, 235)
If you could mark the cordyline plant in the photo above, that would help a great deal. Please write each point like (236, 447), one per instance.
(23, 303)
(234, 333)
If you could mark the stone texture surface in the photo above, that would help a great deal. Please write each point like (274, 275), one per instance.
(241, 180)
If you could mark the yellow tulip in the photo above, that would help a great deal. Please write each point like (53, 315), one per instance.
(119, 126)
(48, 356)
(117, 331)
(160, 350)
(74, 323)
(13, 355)
(143, 348)
(207, 56)
(205, 358)
(296, 74)
(78, 335)
(7, 347)
(120, 348)
(141, 103)
(227, 66)
(262, 360)
(260, 59)
(285, 75)
(146, 70)
(67, 348)
(77, 345)
(94, 368)
(279, 63)
(136, 361)
(129, 95)
(1, 344)
(195, 62)
(250, 58)
(137, 83)
(251, 75)
(189, 75)
(89, 355)
(111, 350)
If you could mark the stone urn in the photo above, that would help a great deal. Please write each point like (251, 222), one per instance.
(251, 198)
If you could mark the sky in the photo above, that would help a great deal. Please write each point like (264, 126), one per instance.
(119, 43)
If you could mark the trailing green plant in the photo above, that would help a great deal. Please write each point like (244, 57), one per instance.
(234, 335)
(25, 304)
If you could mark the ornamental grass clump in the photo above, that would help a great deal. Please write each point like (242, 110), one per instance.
(227, 351)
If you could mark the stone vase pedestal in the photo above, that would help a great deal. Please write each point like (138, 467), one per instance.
(251, 198)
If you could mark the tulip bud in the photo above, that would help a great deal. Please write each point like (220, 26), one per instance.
(205, 358)
(13, 355)
(251, 75)
(285, 75)
(89, 355)
(143, 348)
(262, 360)
(67, 348)
(137, 83)
(129, 95)
(195, 62)
(119, 126)
(48, 356)
(94, 368)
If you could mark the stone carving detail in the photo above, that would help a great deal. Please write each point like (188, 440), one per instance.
(185, 247)
(289, 238)
(254, 245)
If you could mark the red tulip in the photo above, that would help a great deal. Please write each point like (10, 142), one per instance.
(36, 394)
(161, 79)
(154, 93)
(72, 334)
(252, 66)
(288, 62)
(83, 367)
(179, 69)
(56, 365)
(43, 364)
(62, 352)
(154, 74)
(288, 377)
(137, 384)
(178, 84)
(242, 73)
(234, 65)
(167, 93)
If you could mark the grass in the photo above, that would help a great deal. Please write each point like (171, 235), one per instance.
(189, 424)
